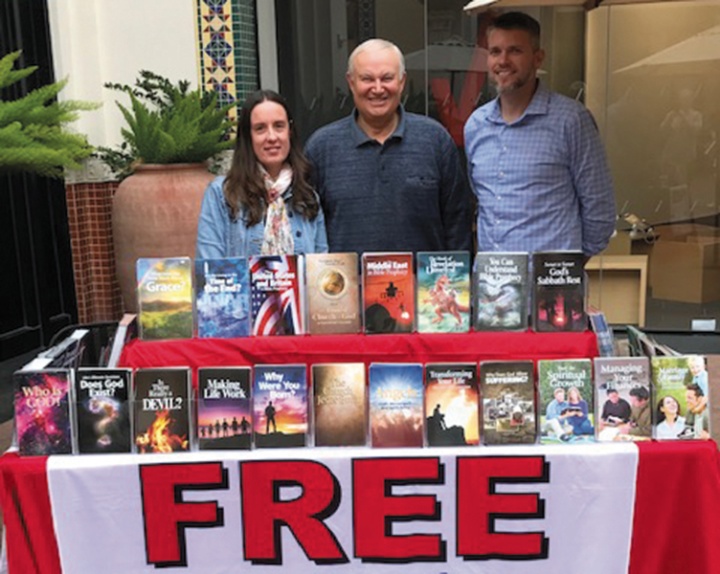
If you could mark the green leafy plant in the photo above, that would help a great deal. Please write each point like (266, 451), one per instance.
(167, 123)
(32, 128)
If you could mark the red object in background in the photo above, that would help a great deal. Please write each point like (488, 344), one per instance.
(413, 348)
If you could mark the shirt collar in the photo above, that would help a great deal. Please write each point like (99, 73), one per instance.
(360, 137)
(539, 105)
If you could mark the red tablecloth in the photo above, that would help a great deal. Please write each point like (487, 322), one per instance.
(311, 349)
(676, 511)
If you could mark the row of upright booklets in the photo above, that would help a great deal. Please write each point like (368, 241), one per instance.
(330, 293)
(60, 411)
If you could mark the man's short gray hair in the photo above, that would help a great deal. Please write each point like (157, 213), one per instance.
(376, 44)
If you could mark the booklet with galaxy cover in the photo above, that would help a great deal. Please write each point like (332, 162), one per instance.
(681, 399)
(276, 294)
(102, 409)
(508, 397)
(451, 404)
(623, 405)
(165, 298)
(500, 292)
(161, 410)
(43, 401)
(340, 399)
(558, 291)
(224, 408)
(333, 293)
(566, 401)
(388, 286)
(396, 404)
(443, 292)
(222, 297)
(280, 406)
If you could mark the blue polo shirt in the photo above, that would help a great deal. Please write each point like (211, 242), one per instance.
(406, 194)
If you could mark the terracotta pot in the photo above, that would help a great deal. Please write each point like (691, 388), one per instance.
(155, 214)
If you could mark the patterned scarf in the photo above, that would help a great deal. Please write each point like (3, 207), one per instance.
(278, 239)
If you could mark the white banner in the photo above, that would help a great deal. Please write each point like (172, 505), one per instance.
(512, 510)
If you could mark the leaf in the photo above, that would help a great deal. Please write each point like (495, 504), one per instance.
(33, 135)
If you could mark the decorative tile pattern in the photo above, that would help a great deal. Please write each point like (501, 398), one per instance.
(227, 48)
(366, 20)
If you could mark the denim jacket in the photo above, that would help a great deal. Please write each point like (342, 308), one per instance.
(220, 236)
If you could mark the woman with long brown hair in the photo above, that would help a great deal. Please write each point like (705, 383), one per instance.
(265, 205)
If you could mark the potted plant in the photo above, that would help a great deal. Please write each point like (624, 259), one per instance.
(33, 135)
(171, 133)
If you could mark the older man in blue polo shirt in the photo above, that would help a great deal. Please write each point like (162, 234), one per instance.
(388, 180)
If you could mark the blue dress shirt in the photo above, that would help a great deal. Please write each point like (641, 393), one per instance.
(542, 181)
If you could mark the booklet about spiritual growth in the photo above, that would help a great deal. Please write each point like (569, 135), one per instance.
(567, 398)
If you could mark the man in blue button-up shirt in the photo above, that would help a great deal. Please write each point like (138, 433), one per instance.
(535, 159)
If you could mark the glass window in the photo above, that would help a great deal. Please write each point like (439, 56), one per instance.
(647, 72)
(444, 51)
(654, 86)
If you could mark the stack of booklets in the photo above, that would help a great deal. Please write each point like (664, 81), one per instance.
(340, 404)
(103, 410)
(222, 302)
(280, 406)
(333, 293)
(396, 404)
(451, 404)
(558, 291)
(155, 410)
(682, 397)
(162, 410)
(388, 287)
(443, 292)
(623, 401)
(382, 292)
(224, 408)
(501, 292)
(165, 298)
(277, 294)
(43, 402)
(508, 402)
